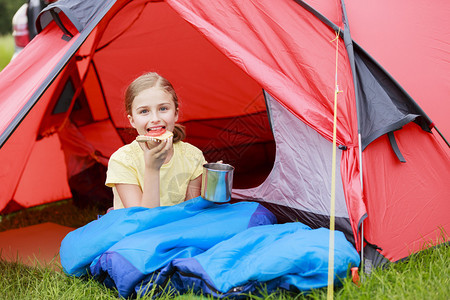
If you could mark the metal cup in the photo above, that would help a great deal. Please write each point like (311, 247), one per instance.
(217, 182)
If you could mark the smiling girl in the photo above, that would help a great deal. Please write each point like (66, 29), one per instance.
(152, 174)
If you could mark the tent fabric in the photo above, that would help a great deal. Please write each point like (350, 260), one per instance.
(290, 256)
(257, 53)
(384, 106)
(220, 57)
(206, 20)
(294, 184)
(413, 187)
(408, 40)
(238, 95)
(52, 50)
(262, 53)
(309, 151)
(79, 13)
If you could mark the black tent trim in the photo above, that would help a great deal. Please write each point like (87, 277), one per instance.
(395, 147)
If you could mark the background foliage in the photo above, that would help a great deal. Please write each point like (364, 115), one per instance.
(7, 10)
(6, 50)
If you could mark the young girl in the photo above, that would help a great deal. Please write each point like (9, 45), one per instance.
(152, 174)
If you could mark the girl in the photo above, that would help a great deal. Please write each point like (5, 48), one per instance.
(154, 174)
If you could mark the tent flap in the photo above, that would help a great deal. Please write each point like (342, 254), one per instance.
(79, 13)
(384, 105)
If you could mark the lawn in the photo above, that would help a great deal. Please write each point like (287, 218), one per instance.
(425, 275)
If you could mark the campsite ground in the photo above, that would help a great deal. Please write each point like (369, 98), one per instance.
(424, 276)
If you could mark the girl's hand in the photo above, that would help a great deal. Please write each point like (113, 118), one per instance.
(155, 153)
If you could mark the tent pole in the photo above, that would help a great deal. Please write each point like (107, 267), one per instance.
(362, 192)
(351, 57)
(442, 136)
(349, 46)
(362, 248)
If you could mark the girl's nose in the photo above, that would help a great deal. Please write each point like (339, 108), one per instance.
(154, 118)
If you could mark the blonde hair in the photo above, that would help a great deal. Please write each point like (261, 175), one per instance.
(149, 80)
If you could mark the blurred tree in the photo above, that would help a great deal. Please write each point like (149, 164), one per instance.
(7, 10)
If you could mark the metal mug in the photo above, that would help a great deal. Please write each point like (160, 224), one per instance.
(217, 182)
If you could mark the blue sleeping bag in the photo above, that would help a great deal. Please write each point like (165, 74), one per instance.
(290, 256)
(218, 249)
(81, 246)
(130, 260)
(125, 245)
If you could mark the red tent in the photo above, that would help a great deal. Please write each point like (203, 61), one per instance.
(256, 83)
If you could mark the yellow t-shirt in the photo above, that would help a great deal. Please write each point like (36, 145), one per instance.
(127, 165)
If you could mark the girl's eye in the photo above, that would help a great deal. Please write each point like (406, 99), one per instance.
(144, 111)
(163, 108)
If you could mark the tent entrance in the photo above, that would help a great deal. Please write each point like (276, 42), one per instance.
(245, 142)
(222, 107)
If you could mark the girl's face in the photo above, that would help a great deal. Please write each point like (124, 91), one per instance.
(152, 109)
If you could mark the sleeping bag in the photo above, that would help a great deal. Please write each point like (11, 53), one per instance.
(290, 256)
(81, 246)
(225, 250)
(143, 246)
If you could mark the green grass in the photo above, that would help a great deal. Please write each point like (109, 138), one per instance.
(6, 50)
(425, 275)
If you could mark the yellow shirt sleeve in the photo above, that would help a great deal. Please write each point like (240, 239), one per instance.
(123, 167)
(126, 165)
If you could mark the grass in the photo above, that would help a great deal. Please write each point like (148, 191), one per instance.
(425, 275)
(6, 50)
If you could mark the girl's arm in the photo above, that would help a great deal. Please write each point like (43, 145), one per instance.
(131, 194)
(194, 188)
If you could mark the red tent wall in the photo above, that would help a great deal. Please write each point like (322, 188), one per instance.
(419, 34)
(407, 205)
(196, 68)
(409, 39)
(31, 170)
(51, 48)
